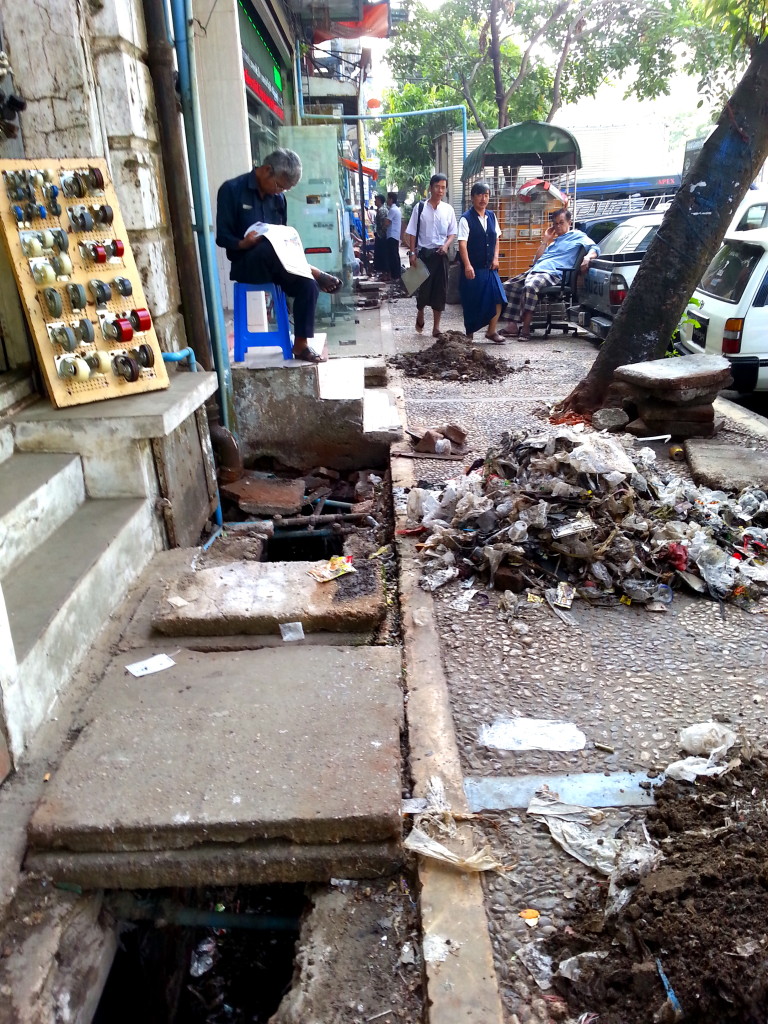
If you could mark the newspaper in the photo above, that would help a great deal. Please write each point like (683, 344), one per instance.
(287, 245)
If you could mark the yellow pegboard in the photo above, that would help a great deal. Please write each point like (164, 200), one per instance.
(78, 281)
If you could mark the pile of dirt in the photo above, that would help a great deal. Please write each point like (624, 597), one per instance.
(701, 916)
(453, 357)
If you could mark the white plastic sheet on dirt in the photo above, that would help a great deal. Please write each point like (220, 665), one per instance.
(689, 768)
(480, 860)
(532, 734)
(707, 738)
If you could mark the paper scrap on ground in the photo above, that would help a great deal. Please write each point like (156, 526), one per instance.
(532, 734)
(481, 860)
(537, 962)
(287, 244)
(291, 631)
(176, 602)
(437, 947)
(338, 565)
(156, 663)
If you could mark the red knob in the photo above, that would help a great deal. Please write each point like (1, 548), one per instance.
(140, 319)
(118, 249)
(99, 253)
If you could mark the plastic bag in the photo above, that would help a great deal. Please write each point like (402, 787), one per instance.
(707, 738)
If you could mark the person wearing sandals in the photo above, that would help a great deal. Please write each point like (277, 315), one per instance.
(480, 288)
(259, 196)
(429, 234)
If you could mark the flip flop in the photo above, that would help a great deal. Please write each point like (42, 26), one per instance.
(328, 283)
(496, 338)
(308, 356)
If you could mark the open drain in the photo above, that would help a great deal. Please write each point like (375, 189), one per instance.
(309, 548)
(223, 956)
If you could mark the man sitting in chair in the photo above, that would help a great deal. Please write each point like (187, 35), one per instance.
(558, 249)
(258, 196)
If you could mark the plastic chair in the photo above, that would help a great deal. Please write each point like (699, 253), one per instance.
(246, 338)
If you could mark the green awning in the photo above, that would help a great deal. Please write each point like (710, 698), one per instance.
(530, 142)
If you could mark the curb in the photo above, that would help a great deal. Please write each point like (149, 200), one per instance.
(463, 985)
(744, 418)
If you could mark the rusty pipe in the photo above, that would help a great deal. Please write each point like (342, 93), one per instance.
(227, 451)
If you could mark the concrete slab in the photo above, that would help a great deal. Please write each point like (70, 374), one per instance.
(727, 467)
(255, 597)
(676, 374)
(297, 746)
(220, 864)
(266, 497)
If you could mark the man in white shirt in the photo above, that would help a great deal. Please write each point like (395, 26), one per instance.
(429, 234)
(394, 223)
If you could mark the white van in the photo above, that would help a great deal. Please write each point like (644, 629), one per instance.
(733, 306)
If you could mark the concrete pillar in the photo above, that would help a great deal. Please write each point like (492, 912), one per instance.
(220, 76)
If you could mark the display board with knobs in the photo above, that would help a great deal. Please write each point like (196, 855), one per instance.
(78, 280)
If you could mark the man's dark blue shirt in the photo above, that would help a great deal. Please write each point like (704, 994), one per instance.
(238, 206)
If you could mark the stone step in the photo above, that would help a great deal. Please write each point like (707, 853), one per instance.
(38, 492)
(381, 419)
(59, 597)
(277, 764)
(15, 387)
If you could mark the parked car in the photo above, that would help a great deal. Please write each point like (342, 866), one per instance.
(732, 314)
(610, 276)
(598, 227)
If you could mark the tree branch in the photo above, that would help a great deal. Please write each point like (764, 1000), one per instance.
(557, 83)
(523, 71)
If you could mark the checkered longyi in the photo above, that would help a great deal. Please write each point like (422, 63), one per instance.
(523, 292)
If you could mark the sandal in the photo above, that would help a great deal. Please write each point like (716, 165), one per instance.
(419, 322)
(496, 338)
(328, 283)
(307, 355)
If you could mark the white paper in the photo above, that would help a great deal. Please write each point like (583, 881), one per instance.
(532, 734)
(287, 244)
(156, 663)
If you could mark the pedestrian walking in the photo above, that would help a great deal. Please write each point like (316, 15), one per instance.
(394, 223)
(429, 234)
(480, 288)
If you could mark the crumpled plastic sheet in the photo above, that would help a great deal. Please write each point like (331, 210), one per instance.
(688, 769)
(707, 738)
(419, 842)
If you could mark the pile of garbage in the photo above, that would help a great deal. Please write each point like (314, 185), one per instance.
(565, 514)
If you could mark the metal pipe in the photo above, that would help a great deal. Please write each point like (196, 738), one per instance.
(334, 517)
(384, 117)
(183, 25)
(228, 450)
(162, 71)
(287, 534)
(126, 908)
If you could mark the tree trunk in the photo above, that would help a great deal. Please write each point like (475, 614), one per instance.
(498, 82)
(688, 238)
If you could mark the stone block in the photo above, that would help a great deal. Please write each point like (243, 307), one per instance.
(679, 429)
(728, 467)
(685, 372)
(137, 182)
(609, 419)
(157, 270)
(255, 597)
(266, 497)
(126, 90)
(668, 412)
(508, 578)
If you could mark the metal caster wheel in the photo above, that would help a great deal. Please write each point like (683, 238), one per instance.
(74, 368)
(99, 362)
(44, 273)
(127, 367)
(144, 356)
(120, 329)
(140, 320)
(31, 245)
(123, 285)
(76, 295)
(53, 302)
(95, 179)
(65, 337)
(85, 332)
(101, 291)
(62, 264)
(105, 214)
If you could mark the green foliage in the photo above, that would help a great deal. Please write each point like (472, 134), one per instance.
(744, 22)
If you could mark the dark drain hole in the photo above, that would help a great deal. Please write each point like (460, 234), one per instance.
(309, 547)
(175, 964)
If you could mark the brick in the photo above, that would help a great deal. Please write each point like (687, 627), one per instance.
(266, 497)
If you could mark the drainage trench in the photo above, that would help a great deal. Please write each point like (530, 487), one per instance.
(210, 956)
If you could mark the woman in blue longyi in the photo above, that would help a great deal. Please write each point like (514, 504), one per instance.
(480, 288)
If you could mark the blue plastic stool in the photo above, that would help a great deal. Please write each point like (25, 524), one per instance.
(245, 339)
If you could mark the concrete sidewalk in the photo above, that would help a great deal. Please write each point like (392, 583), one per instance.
(628, 679)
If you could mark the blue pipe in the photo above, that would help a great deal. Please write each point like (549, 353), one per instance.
(183, 28)
(180, 356)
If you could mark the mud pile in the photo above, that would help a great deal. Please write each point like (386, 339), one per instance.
(453, 357)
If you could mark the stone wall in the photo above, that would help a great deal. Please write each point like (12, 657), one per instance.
(89, 93)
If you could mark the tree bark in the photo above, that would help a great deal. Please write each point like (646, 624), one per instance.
(688, 238)
(498, 82)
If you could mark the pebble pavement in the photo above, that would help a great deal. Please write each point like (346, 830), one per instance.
(630, 680)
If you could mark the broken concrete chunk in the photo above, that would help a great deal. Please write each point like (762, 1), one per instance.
(454, 433)
(610, 419)
(428, 443)
(681, 429)
(676, 374)
(654, 411)
(729, 467)
(266, 497)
